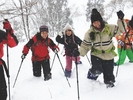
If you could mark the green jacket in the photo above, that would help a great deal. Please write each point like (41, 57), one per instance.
(102, 46)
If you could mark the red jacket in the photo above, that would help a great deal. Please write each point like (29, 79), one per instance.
(39, 47)
(10, 40)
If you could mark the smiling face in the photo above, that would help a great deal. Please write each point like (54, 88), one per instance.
(68, 32)
(44, 34)
(97, 24)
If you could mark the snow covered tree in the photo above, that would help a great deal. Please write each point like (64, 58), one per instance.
(94, 4)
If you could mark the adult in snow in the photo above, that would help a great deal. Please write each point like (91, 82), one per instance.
(39, 45)
(10, 39)
(98, 39)
(125, 44)
(70, 42)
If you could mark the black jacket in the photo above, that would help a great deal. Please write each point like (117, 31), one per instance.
(70, 44)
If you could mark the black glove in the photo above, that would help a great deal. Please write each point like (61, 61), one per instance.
(76, 52)
(120, 15)
(92, 36)
(23, 56)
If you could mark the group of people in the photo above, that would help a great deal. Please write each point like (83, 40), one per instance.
(98, 40)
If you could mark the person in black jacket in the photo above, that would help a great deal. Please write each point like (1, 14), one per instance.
(70, 42)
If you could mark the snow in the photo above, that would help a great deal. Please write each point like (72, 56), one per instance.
(28, 87)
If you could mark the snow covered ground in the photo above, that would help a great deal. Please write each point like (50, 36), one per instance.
(28, 87)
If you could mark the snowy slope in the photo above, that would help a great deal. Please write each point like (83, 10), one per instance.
(28, 87)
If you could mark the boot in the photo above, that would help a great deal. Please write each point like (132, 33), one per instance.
(48, 76)
(67, 73)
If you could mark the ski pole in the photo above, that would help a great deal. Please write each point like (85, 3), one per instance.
(126, 36)
(118, 63)
(77, 78)
(18, 73)
(53, 61)
(8, 69)
(62, 68)
(88, 59)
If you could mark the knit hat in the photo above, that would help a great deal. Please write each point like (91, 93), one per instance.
(131, 22)
(96, 16)
(43, 28)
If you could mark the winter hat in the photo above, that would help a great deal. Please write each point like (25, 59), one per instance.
(131, 22)
(43, 28)
(96, 16)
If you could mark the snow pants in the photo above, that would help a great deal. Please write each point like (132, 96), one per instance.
(122, 56)
(3, 87)
(38, 65)
(69, 60)
(102, 66)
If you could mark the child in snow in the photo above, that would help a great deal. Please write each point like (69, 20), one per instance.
(70, 42)
(10, 39)
(39, 45)
(125, 44)
(98, 39)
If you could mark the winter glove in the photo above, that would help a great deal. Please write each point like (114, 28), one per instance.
(23, 56)
(92, 36)
(120, 42)
(76, 52)
(60, 34)
(56, 50)
(120, 15)
(7, 26)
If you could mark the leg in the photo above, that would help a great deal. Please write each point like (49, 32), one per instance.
(3, 87)
(36, 68)
(78, 60)
(46, 69)
(68, 66)
(108, 72)
(96, 69)
(130, 55)
(122, 56)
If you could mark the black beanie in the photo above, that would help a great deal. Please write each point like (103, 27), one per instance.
(131, 22)
(96, 16)
(43, 28)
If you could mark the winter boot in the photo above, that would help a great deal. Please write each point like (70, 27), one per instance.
(109, 84)
(91, 76)
(67, 73)
(48, 76)
(80, 62)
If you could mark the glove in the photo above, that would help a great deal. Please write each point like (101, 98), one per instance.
(23, 56)
(7, 26)
(76, 52)
(60, 34)
(92, 36)
(120, 42)
(56, 50)
(120, 15)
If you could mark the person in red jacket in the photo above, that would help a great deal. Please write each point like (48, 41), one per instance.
(10, 39)
(39, 45)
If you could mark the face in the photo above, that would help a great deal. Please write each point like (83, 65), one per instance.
(68, 32)
(97, 24)
(44, 34)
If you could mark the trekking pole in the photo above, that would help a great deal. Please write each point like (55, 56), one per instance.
(77, 78)
(121, 48)
(18, 73)
(8, 68)
(88, 59)
(118, 63)
(62, 68)
(53, 60)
